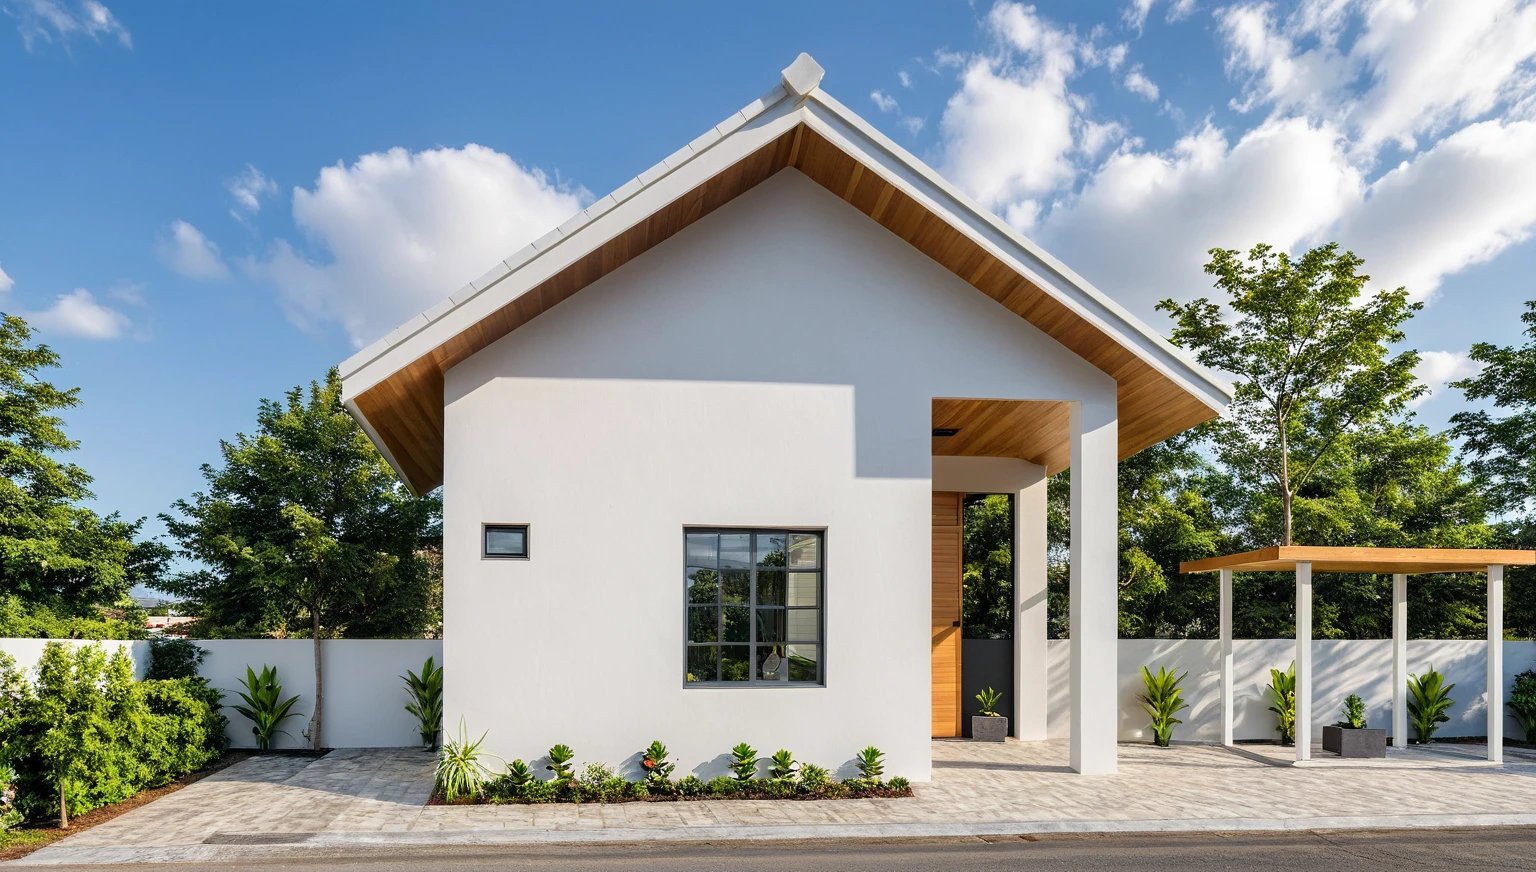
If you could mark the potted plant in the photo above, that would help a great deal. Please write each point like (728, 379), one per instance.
(1163, 700)
(1429, 698)
(1351, 737)
(989, 726)
(1281, 694)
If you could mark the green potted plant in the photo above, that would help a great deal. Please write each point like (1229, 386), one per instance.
(1351, 737)
(1429, 698)
(988, 725)
(1162, 700)
(1281, 694)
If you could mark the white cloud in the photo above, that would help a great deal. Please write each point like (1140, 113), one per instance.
(1438, 368)
(1135, 13)
(249, 188)
(6, 282)
(78, 314)
(402, 230)
(883, 102)
(1460, 203)
(1137, 83)
(1158, 212)
(189, 253)
(905, 79)
(50, 21)
(886, 103)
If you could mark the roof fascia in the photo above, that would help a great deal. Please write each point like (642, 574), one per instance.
(895, 165)
(373, 436)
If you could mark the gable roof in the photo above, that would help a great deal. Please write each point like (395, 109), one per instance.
(394, 387)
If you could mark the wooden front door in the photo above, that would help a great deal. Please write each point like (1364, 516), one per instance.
(948, 534)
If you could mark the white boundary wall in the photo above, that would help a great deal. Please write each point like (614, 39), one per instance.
(1339, 669)
(364, 694)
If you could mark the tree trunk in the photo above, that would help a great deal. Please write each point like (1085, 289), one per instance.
(315, 720)
(63, 808)
(1286, 496)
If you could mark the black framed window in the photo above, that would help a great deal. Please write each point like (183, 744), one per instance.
(506, 541)
(753, 607)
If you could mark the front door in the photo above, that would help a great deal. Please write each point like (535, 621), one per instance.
(948, 536)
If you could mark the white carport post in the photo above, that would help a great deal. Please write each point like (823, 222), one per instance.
(1400, 660)
(1303, 660)
(1496, 664)
(1093, 590)
(1226, 657)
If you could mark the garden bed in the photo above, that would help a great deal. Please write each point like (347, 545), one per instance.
(23, 840)
(619, 790)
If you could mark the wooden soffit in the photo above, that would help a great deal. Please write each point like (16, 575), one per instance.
(405, 410)
(1412, 561)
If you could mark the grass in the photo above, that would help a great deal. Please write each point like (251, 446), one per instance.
(25, 839)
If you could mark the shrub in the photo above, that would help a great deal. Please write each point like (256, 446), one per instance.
(871, 763)
(1429, 698)
(264, 705)
(426, 703)
(1522, 703)
(85, 734)
(560, 758)
(723, 786)
(1354, 713)
(518, 774)
(611, 789)
(1281, 694)
(899, 784)
(691, 786)
(9, 815)
(1162, 700)
(596, 773)
(459, 770)
(658, 771)
(744, 762)
(542, 792)
(835, 790)
(989, 700)
(781, 765)
(173, 658)
(813, 777)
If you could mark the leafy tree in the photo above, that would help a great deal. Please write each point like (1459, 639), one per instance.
(987, 579)
(305, 530)
(1501, 450)
(58, 560)
(1310, 358)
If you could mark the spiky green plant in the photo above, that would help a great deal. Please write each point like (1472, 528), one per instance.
(813, 777)
(744, 762)
(1354, 713)
(264, 705)
(1281, 694)
(1429, 698)
(560, 758)
(871, 763)
(781, 765)
(519, 774)
(655, 763)
(1163, 700)
(1522, 703)
(989, 700)
(459, 770)
(426, 691)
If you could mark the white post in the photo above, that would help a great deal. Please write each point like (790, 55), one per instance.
(1226, 657)
(1094, 592)
(1400, 660)
(1303, 660)
(1029, 626)
(1496, 664)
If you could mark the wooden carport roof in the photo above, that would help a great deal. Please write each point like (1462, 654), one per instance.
(1409, 561)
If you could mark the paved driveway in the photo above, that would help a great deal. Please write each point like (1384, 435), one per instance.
(377, 797)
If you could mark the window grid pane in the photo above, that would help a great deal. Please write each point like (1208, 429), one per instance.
(766, 621)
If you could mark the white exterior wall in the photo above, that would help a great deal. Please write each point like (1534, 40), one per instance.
(1340, 667)
(772, 364)
(364, 694)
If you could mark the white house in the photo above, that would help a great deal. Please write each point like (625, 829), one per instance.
(701, 450)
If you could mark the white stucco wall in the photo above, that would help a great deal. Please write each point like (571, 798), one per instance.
(1339, 669)
(364, 695)
(772, 364)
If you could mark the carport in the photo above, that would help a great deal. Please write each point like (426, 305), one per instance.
(1400, 563)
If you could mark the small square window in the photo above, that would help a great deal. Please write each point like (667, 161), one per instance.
(506, 540)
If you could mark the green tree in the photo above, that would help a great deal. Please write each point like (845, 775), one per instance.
(57, 558)
(1310, 358)
(987, 580)
(305, 530)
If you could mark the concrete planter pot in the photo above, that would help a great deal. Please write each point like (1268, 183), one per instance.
(985, 729)
(1355, 743)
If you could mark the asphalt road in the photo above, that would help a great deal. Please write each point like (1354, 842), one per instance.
(1513, 848)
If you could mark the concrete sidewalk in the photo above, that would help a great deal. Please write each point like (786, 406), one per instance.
(273, 806)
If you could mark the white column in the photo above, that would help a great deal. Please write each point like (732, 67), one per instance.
(1400, 660)
(1226, 657)
(1496, 664)
(1029, 678)
(1303, 660)
(1094, 592)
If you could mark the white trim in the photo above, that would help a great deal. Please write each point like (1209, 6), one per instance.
(389, 458)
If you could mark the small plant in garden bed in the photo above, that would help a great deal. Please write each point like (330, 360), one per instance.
(1429, 698)
(1281, 694)
(426, 692)
(1163, 700)
(1522, 703)
(264, 705)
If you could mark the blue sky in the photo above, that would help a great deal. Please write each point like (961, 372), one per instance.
(205, 204)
